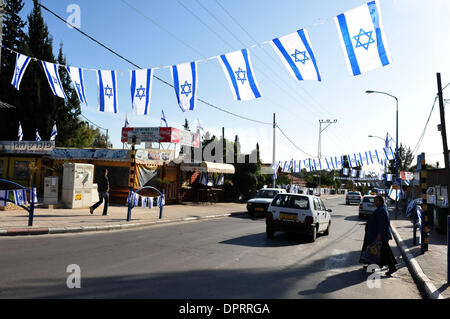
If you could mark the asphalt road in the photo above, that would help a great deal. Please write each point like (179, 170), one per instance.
(221, 258)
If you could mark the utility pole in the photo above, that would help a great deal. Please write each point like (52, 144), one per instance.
(443, 129)
(2, 10)
(273, 149)
(319, 152)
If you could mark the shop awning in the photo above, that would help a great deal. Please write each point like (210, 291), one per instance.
(208, 167)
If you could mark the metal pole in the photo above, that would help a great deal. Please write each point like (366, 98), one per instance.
(448, 250)
(273, 149)
(162, 205)
(318, 155)
(2, 9)
(31, 213)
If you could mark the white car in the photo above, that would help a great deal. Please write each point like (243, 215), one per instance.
(262, 200)
(305, 214)
(367, 206)
(353, 197)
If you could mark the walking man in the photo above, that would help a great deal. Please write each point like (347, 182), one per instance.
(103, 194)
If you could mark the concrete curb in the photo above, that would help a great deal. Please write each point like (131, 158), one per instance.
(26, 231)
(415, 269)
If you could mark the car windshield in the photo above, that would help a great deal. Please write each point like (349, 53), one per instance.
(369, 200)
(265, 193)
(354, 193)
(291, 201)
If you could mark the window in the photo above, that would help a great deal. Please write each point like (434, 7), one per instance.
(281, 201)
(322, 205)
(266, 194)
(316, 204)
(21, 170)
(300, 202)
(369, 200)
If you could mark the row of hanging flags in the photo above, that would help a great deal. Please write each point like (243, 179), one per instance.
(146, 202)
(361, 34)
(20, 196)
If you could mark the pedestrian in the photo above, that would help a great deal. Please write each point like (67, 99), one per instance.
(378, 229)
(103, 194)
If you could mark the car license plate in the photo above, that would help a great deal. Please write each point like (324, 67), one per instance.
(371, 205)
(259, 209)
(288, 217)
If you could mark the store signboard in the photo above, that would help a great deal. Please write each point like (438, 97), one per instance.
(161, 135)
(27, 147)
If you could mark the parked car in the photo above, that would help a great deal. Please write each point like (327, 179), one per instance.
(304, 214)
(353, 197)
(367, 206)
(262, 200)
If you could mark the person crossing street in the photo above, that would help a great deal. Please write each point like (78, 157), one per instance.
(103, 194)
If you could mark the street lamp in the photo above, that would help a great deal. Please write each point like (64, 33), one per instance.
(396, 138)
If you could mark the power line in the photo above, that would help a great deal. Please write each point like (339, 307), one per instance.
(293, 142)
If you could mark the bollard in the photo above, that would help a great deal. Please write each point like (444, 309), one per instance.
(31, 212)
(162, 205)
(415, 229)
(130, 200)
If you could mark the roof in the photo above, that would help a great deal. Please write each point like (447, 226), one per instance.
(208, 167)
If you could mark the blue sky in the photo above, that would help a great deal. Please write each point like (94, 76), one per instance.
(418, 34)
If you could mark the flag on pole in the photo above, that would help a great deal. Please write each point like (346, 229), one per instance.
(239, 73)
(362, 38)
(185, 84)
(20, 133)
(4, 196)
(127, 124)
(51, 71)
(141, 90)
(199, 125)
(295, 51)
(107, 91)
(54, 132)
(20, 197)
(388, 141)
(76, 75)
(163, 119)
(22, 62)
(38, 138)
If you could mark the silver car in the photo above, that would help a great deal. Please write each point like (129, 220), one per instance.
(367, 206)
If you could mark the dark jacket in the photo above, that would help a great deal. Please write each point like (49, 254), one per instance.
(103, 184)
(379, 224)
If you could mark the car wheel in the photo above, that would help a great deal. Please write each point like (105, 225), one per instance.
(251, 213)
(360, 216)
(327, 232)
(313, 236)
(269, 232)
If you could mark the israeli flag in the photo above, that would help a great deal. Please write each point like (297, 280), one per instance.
(126, 124)
(107, 91)
(54, 132)
(307, 164)
(220, 179)
(353, 173)
(361, 159)
(339, 162)
(328, 164)
(76, 75)
(286, 167)
(141, 90)
(163, 118)
(389, 177)
(51, 71)
(297, 166)
(362, 38)
(276, 165)
(4, 195)
(136, 199)
(239, 73)
(144, 202)
(34, 195)
(38, 138)
(185, 84)
(367, 158)
(295, 51)
(380, 176)
(22, 62)
(161, 201)
(352, 161)
(20, 133)
(20, 197)
(374, 156)
(389, 153)
(388, 141)
(345, 172)
(317, 165)
(150, 202)
(362, 174)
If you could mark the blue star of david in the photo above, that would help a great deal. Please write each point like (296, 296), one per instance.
(358, 39)
(141, 94)
(55, 80)
(17, 74)
(296, 59)
(242, 79)
(108, 91)
(183, 88)
(78, 85)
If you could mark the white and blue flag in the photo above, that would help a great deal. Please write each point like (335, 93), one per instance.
(185, 84)
(20, 133)
(127, 124)
(20, 197)
(141, 90)
(107, 91)
(353, 173)
(4, 196)
(339, 161)
(76, 75)
(388, 141)
(389, 153)
(54, 132)
(22, 62)
(297, 166)
(297, 55)
(345, 172)
(352, 161)
(163, 118)
(307, 165)
(38, 138)
(374, 156)
(239, 73)
(220, 179)
(362, 38)
(51, 72)
(34, 195)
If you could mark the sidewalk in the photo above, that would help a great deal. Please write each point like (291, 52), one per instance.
(428, 269)
(57, 221)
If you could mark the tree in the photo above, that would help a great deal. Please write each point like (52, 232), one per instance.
(405, 156)
(186, 125)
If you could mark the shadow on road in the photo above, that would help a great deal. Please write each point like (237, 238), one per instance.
(337, 282)
(355, 219)
(260, 240)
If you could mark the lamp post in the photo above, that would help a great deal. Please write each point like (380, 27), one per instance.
(396, 140)
(320, 142)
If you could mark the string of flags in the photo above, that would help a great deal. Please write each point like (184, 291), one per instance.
(336, 162)
(360, 31)
(38, 137)
(207, 179)
(146, 202)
